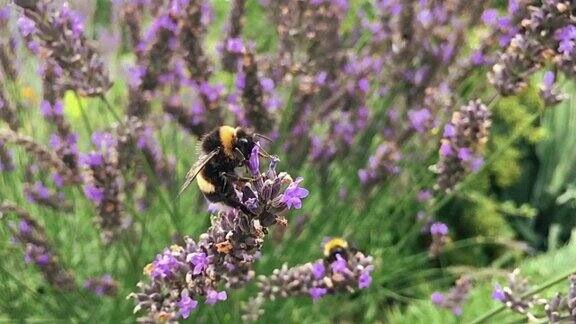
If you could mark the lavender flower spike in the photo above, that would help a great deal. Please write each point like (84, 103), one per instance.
(203, 271)
(38, 251)
(315, 280)
(462, 144)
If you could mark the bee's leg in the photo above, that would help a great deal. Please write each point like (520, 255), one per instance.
(235, 177)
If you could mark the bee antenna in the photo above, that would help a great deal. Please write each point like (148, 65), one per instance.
(263, 137)
(262, 152)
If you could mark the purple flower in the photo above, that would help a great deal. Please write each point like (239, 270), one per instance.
(424, 195)
(94, 193)
(294, 193)
(164, 266)
(199, 260)
(92, 159)
(340, 265)
(235, 45)
(254, 161)
(437, 298)
(419, 119)
(41, 190)
(566, 37)
(439, 229)
(186, 304)
(548, 79)
(365, 280)
(498, 293)
(465, 154)
(213, 296)
(317, 293)
(318, 270)
(364, 85)
(476, 164)
(26, 26)
(24, 227)
(449, 130)
(43, 259)
(267, 84)
(490, 17)
(446, 149)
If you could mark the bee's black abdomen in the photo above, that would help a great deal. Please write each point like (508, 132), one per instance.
(211, 141)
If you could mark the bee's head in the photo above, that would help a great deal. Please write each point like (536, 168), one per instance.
(335, 246)
(245, 141)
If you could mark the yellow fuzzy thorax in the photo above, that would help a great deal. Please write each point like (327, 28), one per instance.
(334, 243)
(227, 137)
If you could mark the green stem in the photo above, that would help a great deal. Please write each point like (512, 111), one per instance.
(83, 113)
(534, 291)
(110, 109)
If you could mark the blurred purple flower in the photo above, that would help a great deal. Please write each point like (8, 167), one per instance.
(94, 193)
(235, 45)
(419, 119)
(364, 280)
(318, 270)
(254, 161)
(439, 229)
(498, 293)
(437, 298)
(317, 293)
(213, 296)
(186, 304)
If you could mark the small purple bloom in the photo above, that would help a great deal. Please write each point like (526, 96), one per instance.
(163, 266)
(446, 149)
(317, 293)
(439, 229)
(24, 227)
(498, 293)
(449, 130)
(26, 26)
(476, 164)
(235, 45)
(465, 154)
(186, 304)
(94, 193)
(92, 159)
(254, 161)
(490, 17)
(318, 270)
(548, 80)
(43, 259)
(364, 280)
(424, 196)
(267, 84)
(294, 193)
(419, 119)
(340, 265)
(199, 260)
(213, 296)
(364, 85)
(437, 298)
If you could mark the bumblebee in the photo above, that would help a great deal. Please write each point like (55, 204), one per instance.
(222, 151)
(334, 246)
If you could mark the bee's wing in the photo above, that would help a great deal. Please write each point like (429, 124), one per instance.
(196, 168)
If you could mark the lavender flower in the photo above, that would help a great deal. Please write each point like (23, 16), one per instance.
(59, 35)
(462, 144)
(40, 194)
(102, 286)
(233, 46)
(439, 233)
(293, 194)
(315, 280)
(31, 236)
(513, 295)
(104, 185)
(224, 253)
(455, 298)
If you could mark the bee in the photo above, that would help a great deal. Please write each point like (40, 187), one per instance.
(334, 246)
(222, 151)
